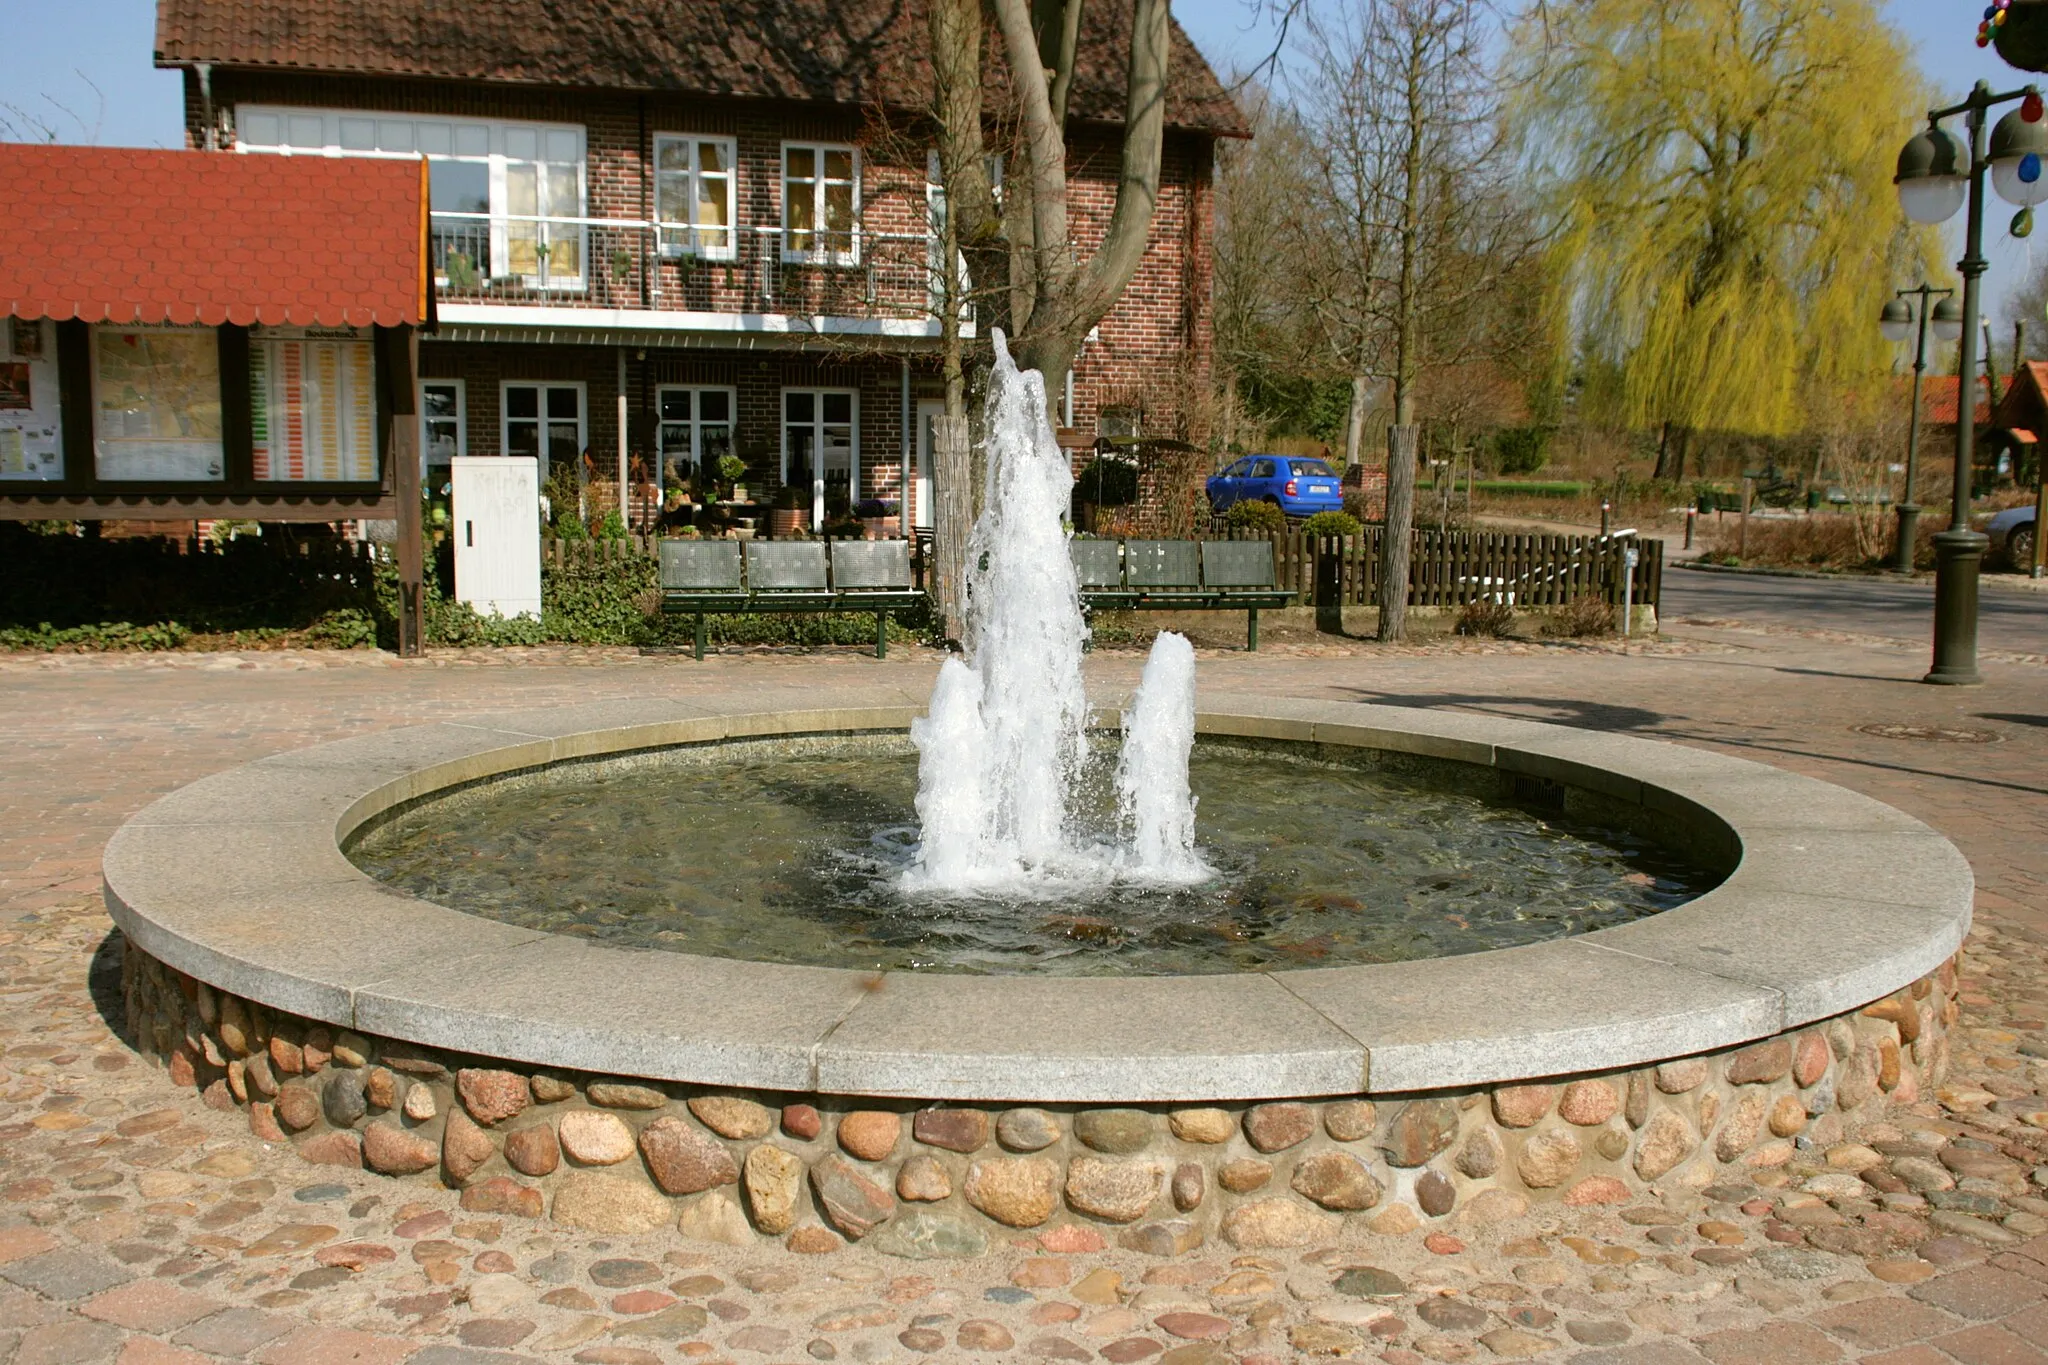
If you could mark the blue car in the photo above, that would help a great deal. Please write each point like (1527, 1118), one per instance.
(1298, 487)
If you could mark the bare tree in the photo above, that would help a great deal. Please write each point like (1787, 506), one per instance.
(50, 119)
(1407, 225)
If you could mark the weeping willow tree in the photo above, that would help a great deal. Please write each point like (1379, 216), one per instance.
(1718, 175)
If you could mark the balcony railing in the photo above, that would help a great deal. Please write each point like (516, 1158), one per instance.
(633, 265)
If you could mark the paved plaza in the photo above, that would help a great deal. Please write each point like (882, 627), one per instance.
(138, 1225)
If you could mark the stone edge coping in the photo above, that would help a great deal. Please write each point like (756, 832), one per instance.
(1834, 900)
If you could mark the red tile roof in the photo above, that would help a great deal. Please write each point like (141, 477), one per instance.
(129, 236)
(849, 52)
(1938, 399)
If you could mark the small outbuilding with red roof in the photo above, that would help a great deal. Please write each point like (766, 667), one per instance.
(198, 336)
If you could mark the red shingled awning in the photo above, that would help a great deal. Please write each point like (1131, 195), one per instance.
(130, 236)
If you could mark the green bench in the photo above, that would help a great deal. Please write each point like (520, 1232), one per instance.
(1179, 575)
(731, 577)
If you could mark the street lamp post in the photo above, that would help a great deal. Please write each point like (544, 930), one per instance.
(1898, 321)
(1937, 174)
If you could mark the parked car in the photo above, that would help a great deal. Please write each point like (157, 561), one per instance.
(2012, 537)
(1298, 487)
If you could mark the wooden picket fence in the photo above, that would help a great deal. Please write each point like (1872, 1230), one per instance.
(1446, 568)
(1452, 568)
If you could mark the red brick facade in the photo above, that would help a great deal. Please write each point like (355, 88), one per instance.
(1151, 353)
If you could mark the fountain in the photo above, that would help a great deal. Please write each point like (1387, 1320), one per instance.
(1419, 963)
(1002, 745)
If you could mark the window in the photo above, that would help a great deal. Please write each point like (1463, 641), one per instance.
(444, 431)
(1121, 421)
(820, 197)
(156, 391)
(696, 426)
(820, 447)
(693, 196)
(544, 421)
(1312, 469)
(312, 408)
(505, 195)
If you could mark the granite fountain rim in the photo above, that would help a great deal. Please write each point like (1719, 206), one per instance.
(1834, 900)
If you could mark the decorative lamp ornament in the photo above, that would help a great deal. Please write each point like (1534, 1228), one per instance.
(2019, 159)
(2022, 223)
(2019, 29)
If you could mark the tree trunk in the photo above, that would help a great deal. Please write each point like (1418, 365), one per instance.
(1354, 424)
(1400, 523)
(952, 517)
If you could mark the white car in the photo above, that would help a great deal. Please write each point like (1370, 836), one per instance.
(2012, 537)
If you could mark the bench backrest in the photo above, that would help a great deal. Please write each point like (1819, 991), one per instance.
(1237, 563)
(1097, 563)
(871, 565)
(700, 565)
(785, 565)
(1162, 563)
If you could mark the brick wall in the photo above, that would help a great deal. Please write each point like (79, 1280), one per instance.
(1152, 350)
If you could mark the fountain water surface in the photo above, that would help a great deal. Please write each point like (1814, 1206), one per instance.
(1003, 742)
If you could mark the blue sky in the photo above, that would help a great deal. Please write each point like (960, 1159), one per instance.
(55, 56)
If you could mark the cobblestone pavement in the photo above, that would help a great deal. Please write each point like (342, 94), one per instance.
(137, 1225)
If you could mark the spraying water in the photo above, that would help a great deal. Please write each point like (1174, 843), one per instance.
(1152, 796)
(1004, 738)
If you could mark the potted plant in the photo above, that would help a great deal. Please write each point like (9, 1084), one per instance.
(877, 518)
(731, 469)
(788, 515)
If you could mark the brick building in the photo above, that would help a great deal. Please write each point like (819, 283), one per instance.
(668, 231)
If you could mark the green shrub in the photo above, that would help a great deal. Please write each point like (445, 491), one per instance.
(1521, 450)
(111, 635)
(1255, 516)
(1332, 524)
(613, 527)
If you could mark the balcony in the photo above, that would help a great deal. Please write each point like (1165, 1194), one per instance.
(674, 277)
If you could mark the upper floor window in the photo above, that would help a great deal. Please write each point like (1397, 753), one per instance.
(820, 199)
(507, 197)
(693, 195)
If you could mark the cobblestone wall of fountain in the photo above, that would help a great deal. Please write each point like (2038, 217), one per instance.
(621, 1154)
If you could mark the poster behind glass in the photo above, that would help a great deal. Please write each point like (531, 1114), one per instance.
(156, 393)
(31, 426)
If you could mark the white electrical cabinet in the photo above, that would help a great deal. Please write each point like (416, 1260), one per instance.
(497, 534)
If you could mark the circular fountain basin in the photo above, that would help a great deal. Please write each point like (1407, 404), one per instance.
(240, 881)
(804, 851)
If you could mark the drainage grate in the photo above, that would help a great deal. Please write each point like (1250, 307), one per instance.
(1939, 734)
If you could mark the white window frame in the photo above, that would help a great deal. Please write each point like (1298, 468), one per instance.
(818, 182)
(690, 246)
(818, 423)
(505, 418)
(308, 131)
(696, 422)
(461, 388)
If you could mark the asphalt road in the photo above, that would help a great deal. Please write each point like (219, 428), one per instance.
(2011, 620)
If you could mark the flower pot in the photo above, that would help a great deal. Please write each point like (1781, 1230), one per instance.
(2022, 40)
(786, 521)
(878, 528)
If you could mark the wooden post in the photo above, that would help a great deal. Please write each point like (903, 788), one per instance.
(1400, 522)
(401, 355)
(1742, 532)
(2036, 569)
